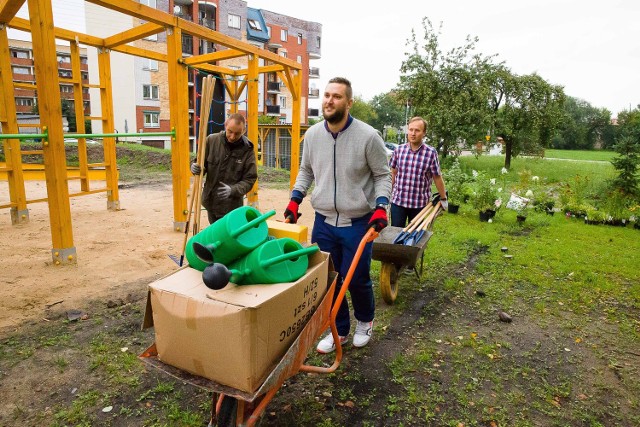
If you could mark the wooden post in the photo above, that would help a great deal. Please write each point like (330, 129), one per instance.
(78, 103)
(108, 143)
(178, 94)
(9, 122)
(295, 127)
(252, 120)
(46, 68)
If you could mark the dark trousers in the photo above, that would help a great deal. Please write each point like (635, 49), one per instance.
(401, 215)
(342, 244)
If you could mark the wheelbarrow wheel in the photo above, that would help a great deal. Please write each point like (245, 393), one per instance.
(228, 412)
(388, 282)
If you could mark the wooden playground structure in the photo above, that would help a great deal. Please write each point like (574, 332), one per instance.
(44, 34)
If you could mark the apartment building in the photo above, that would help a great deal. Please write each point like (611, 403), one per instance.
(24, 78)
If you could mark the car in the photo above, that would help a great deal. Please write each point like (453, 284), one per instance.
(391, 147)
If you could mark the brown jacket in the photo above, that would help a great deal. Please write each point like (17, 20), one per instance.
(235, 165)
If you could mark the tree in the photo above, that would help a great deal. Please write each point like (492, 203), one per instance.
(529, 112)
(583, 126)
(362, 111)
(628, 148)
(389, 110)
(450, 90)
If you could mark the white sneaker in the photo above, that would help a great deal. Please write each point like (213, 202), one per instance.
(363, 333)
(326, 345)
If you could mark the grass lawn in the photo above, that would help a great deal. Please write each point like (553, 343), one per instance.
(595, 155)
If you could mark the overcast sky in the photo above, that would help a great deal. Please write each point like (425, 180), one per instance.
(590, 47)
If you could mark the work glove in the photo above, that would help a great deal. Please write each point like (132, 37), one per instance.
(195, 169)
(292, 212)
(444, 203)
(224, 191)
(379, 219)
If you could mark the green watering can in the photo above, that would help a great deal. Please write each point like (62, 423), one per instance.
(276, 261)
(231, 237)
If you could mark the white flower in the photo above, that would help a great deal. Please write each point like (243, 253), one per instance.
(529, 193)
(474, 173)
(493, 181)
(535, 178)
(490, 220)
(504, 170)
(500, 190)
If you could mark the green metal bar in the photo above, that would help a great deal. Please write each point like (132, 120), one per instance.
(23, 135)
(117, 135)
(83, 135)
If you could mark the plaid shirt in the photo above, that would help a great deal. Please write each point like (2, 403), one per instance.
(415, 172)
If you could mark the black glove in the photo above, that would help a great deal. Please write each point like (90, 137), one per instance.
(195, 169)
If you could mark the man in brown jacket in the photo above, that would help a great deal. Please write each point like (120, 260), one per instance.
(230, 168)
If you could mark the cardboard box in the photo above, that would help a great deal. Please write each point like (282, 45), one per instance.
(236, 335)
(280, 229)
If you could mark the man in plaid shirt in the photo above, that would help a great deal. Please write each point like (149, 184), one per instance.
(414, 166)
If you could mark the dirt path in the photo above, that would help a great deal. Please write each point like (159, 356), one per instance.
(117, 251)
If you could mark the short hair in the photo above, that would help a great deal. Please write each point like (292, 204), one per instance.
(343, 81)
(238, 118)
(419, 119)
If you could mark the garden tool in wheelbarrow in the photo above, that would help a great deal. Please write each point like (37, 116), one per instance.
(412, 224)
(426, 223)
(276, 261)
(410, 236)
(231, 237)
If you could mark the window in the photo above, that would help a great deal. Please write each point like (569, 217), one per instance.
(234, 21)
(83, 60)
(269, 31)
(20, 54)
(150, 91)
(65, 74)
(283, 102)
(299, 59)
(150, 3)
(64, 58)
(150, 64)
(21, 70)
(254, 25)
(152, 38)
(151, 119)
(283, 35)
(24, 102)
(318, 42)
(299, 38)
(66, 88)
(283, 53)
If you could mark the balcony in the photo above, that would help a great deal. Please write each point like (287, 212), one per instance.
(314, 73)
(273, 87)
(314, 55)
(273, 110)
(314, 112)
(209, 23)
(314, 93)
(183, 2)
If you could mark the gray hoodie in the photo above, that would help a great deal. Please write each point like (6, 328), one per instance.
(350, 171)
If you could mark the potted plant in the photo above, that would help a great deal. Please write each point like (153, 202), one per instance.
(544, 202)
(456, 181)
(519, 204)
(594, 216)
(485, 197)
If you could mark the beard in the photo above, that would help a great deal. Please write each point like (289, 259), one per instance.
(336, 117)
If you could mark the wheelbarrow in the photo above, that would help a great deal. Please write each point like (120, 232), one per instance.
(232, 407)
(394, 258)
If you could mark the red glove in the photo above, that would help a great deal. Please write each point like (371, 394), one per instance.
(292, 212)
(379, 219)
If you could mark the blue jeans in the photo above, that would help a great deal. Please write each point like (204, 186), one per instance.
(342, 244)
(400, 215)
